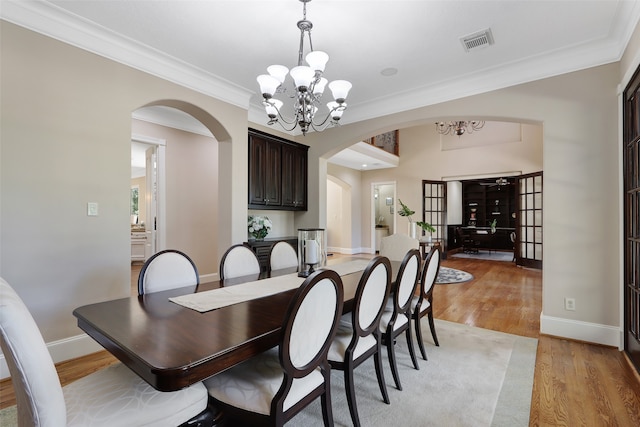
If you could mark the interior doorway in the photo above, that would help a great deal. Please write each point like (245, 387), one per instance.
(339, 216)
(148, 175)
(383, 218)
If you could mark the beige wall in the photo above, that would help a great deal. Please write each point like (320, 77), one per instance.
(581, 168)
(66, 113)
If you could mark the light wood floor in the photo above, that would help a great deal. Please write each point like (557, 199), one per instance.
(575, 383)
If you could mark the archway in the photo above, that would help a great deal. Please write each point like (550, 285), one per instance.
(190, 192)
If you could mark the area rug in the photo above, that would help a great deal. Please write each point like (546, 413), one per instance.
(448, 275)
(476, 377)
(485, 255)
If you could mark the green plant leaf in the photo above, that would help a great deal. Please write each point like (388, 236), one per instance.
(426, 226)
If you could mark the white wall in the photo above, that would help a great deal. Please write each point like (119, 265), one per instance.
(352, 190)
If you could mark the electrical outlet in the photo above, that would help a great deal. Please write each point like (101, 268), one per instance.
(570, 304)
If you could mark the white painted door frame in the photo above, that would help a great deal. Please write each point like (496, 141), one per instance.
(155, 199)
(373, 211)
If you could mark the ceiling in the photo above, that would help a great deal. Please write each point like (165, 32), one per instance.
(218, 47)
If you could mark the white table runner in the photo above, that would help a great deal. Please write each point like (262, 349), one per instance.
(222, 297)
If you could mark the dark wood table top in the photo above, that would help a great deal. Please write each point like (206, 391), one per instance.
(172, 347)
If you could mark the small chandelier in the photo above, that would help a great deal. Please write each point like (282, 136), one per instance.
(308, 84)
(459, 127)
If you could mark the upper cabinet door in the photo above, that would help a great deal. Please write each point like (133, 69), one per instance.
(277, 173)
(294, 177)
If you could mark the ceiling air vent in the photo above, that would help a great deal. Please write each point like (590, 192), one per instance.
(477, 40)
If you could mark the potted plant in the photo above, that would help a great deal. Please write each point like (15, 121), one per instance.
(259, 226)
(427, 228)
(405, 211)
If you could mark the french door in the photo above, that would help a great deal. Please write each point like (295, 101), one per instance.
(631, 238)
(528, 241)
(434, 210)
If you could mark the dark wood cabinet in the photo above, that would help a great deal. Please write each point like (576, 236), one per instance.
(262, 248)
(265, 164)
(485, 201)
(277, 173)
(294, 177)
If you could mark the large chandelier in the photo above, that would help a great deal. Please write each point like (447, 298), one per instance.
(308, 84)
(459, 127)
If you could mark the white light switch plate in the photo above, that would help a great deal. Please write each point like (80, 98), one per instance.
(92, 209)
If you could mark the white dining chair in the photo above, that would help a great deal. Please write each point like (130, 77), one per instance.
(358, 339)
(272, 387)
(396, 319)
(168, 269)
(422, 304)
(282, 255)
(239, 260)
(396, 246)
(113, 396)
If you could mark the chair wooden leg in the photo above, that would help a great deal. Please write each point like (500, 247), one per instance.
(416, 322)
(432, 326)
(325, 399)
(351, 395)
(380, 374)
(392, 362)
(209, 417)
(412, 351)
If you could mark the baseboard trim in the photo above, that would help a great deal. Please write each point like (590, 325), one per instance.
(581, 331)
(206, 278)
(62, 350)
(349, 251)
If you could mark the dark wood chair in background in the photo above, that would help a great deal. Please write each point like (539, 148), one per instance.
(469, 245)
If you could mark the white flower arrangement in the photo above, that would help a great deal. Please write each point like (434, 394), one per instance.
(259, 226)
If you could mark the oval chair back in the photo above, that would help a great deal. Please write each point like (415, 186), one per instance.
(396, 246)
(272, 387)
(239, 260)
(357, 341)
(396, 319)
(422, 305)
(282, 255)
(168, 269)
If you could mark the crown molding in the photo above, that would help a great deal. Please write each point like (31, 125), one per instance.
(586, 55)
(47, 19)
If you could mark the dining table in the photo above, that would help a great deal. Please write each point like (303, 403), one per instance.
(172, 346)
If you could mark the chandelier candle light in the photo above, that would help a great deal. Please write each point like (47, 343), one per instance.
(309, 86)
(459, 127)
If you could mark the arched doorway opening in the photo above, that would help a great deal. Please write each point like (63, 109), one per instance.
(182, 198)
